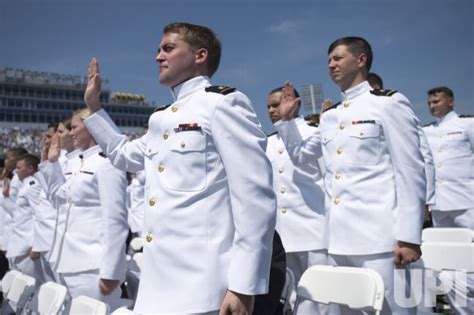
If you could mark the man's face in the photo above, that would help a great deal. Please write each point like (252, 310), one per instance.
(22, 170)
(49, 134)
(344, 67)
(440, 104)
(81, 138)
(177, 60)
(64, 136)
(273, 104)
(10, 162)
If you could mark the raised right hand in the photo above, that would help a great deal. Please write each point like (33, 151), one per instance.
(54, 148)
(288, 103)
(92, 94)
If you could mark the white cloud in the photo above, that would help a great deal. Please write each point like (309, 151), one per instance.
(284, 27)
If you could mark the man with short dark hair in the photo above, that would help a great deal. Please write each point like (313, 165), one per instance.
(375, 178)
(451, 139)
(210, 215)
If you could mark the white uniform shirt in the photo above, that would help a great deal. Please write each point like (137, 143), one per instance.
(9, 208)
(452, 143)
(210, 214)
(136, 207)
(300, 196)
(375, 179)
(96, 227)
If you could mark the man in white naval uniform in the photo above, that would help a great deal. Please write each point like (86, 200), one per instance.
(451, 139)
(300, 202)
(375, 177)
(210, 214)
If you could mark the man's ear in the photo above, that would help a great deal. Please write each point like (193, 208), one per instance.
(362, 60)
(201, 55)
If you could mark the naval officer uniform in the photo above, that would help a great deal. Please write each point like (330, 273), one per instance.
(375, 179)
(210, 215)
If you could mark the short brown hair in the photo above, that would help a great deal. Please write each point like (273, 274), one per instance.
(356, 46)
(197, 37)
(441, 89)
(31, 160)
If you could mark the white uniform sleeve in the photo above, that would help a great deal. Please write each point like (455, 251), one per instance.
(54, 179)
(302, 152)
(112, 191)
(403, 142)
(429, 167)
(124, 154)
(241, 144)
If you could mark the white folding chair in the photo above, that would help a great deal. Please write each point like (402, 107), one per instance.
(440, 256)
(122, 311)
(137, 243)
(138, 258)
(20, 292)
(85, 305)
(49, 299)
(7, 281)
(358, 288)
(463, 235)
(288, 289)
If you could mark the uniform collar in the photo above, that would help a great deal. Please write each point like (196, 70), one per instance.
(187, 87)
(355, 91)
(91, 151)
(449, 116)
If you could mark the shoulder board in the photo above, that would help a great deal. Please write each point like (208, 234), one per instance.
(312, 124)
(32, 183)
(102, 154)
(383, 92)
(224, 90)
(429, 124)
(272, 134)
(158, 109)
(332, 107)
(466, 116)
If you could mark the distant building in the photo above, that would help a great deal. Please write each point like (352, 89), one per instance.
(32, 99)
(312, 97)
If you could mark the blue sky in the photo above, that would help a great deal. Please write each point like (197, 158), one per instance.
(417, 44)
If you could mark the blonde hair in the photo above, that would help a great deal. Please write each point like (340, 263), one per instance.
(82, 113)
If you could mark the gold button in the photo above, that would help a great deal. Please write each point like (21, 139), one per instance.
(161, 168)
(336, 201)
(284, 210)
(280, 150)
(346, 104)
(183, 144)
(149, 237)
(280, 170)
(152, 201)
(339, 151)
(341, 126)
(174, 108)
(361, 133)
(282, 190)
(165, 135)
(338, 175)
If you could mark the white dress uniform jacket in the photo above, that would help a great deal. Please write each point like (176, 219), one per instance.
(136, 207)
(23, 220)
(375, 179)
(210, 214)
(8, 204)
(300, 196)
(452, 143)
(96, 224)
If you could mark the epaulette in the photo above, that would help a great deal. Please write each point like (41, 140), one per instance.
(32, 183)
(224, 90)
(466, 116)
(159, 109)
(272, 134)
(102, 154)
(333, 106)
(429, 124)
(313, 124)
(383, 92)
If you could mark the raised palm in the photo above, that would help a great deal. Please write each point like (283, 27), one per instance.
(54, 148)
(289, 102)
(92, 94)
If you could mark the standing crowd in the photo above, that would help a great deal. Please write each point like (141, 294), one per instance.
(223, 208)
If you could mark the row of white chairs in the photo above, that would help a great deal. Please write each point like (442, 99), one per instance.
(363, 289)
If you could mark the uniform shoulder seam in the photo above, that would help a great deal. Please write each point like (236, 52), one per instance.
(221, 89)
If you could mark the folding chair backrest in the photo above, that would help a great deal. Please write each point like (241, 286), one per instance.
(8, 280)
(85, 305)
(137, 243)
(21, 291)
(51, 297)
(358, 288)
(447, 235)
(448, 256)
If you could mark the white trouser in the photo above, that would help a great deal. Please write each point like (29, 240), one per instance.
(298, 262)
(87, 283)
(464, 219)
(383, 264)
